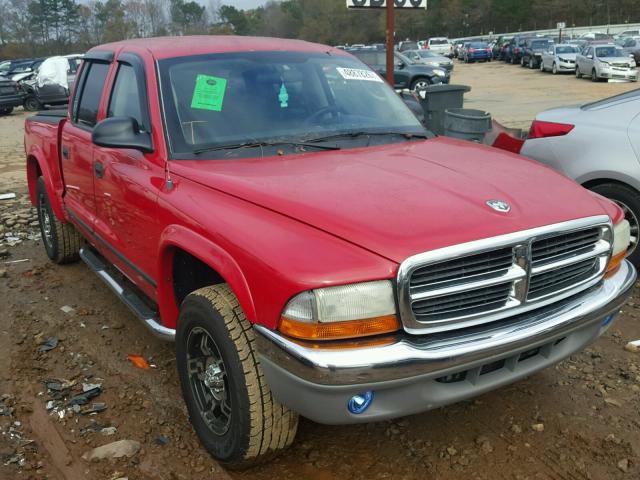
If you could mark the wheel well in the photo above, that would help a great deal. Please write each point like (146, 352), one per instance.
(601, 181)
(190, 274)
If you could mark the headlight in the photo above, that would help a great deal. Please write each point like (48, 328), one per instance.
(562, 59)
(604, 63)
(621, 239)
(347, 311)
(440, 72)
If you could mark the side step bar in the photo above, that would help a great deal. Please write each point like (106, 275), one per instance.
(128, 296)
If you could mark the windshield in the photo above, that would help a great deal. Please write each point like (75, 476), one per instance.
(564, 49)
(603, 52)
(252, 97)
(478, 45)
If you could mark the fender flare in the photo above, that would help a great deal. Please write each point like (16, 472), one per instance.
(36, 161)
(179, 237)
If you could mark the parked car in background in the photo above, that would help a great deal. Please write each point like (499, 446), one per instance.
(428, 57)
(440, 45)
(532, 51)
(601, 62)
(457, 48)
(598, 145)
(513, 53)
(51, 84)
(631, 46)
(24, 69)
(628, 33)
(477, 52)
(559, 58)
(596, 36)
(499, 48)
(407, 73)
(407, 45)
(10, 95)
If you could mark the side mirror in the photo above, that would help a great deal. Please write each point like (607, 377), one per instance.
(590, 57)
(121, 132)
(400, 65)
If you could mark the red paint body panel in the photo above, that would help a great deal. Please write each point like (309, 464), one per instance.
(273, 227)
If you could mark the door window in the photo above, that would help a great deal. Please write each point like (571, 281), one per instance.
(87, 113)
(125, 98)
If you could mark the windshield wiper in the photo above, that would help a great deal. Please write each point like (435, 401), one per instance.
(237, 146)
(406, 135)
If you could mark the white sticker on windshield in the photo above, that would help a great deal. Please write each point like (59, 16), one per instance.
(359, 74)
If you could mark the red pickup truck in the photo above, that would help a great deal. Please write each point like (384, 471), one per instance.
(275, 208)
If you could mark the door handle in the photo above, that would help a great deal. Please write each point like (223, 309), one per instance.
(65, 152)
(98, 168)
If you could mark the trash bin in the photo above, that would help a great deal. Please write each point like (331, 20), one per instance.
(435, 99)
(467, 124)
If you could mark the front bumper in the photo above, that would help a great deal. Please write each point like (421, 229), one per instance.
(410, 374)
(621, 74)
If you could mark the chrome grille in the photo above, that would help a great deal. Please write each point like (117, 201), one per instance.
(487, 280)
(468, 268)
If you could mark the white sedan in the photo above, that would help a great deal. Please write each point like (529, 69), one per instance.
(559, 58)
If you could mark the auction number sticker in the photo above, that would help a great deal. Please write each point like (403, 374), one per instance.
(208, 93)
(359, 74)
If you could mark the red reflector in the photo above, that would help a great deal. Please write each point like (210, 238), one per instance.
(506, 142)
(541, 129)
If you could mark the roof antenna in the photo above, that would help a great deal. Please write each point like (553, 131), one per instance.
(167, 177)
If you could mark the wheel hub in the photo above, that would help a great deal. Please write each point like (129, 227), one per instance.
(214, 379)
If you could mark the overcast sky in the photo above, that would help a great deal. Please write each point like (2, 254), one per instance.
(243, 3)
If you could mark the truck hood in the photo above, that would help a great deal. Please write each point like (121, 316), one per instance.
(401, 199)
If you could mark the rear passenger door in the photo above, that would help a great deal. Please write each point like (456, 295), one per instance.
(76, 147)
(126, 218)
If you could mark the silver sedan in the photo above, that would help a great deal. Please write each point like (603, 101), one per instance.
(598, 145)
(559, 58)
(432, 59)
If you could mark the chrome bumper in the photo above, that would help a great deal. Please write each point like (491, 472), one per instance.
(301, 376)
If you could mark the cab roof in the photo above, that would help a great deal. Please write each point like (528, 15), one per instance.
(170, 47)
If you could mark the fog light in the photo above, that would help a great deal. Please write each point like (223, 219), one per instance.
(359, 403)
(607, 320)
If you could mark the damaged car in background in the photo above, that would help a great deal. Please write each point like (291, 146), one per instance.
(50, 84)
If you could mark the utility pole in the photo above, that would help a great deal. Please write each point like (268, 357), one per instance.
(391, 28)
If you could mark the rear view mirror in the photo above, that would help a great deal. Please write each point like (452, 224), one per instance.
(121, 132)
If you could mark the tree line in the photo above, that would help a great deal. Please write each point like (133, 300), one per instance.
(46, 27)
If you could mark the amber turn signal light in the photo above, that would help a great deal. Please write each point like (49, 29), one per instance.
(339, 330)
(614, 263)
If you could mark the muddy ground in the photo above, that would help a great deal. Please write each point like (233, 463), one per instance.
(579, 420)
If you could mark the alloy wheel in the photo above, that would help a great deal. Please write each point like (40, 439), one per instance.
(46, 222)
(208, 381)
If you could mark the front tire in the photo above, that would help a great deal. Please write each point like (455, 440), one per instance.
(554, 68)
(61, 240)
(578, 74)
(420, 83)
(594, 76)
(532, 64)
(629, 200)
(229, 402)
(31, 104)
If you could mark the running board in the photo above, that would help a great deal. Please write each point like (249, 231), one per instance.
(128, 296)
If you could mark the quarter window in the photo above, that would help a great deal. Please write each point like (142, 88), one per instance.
(125, 98)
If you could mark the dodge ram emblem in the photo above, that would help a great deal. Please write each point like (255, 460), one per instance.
(499, 205)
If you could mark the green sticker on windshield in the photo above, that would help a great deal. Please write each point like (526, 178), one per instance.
(208, 93)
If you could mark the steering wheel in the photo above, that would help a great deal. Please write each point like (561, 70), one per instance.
(333, 109)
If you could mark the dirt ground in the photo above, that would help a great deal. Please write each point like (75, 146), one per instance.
(578, 420)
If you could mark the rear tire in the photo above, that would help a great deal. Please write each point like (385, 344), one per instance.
(61, 240)
(230, 404)
(629, 200)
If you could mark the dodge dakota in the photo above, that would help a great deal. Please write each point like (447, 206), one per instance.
(274, 208)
